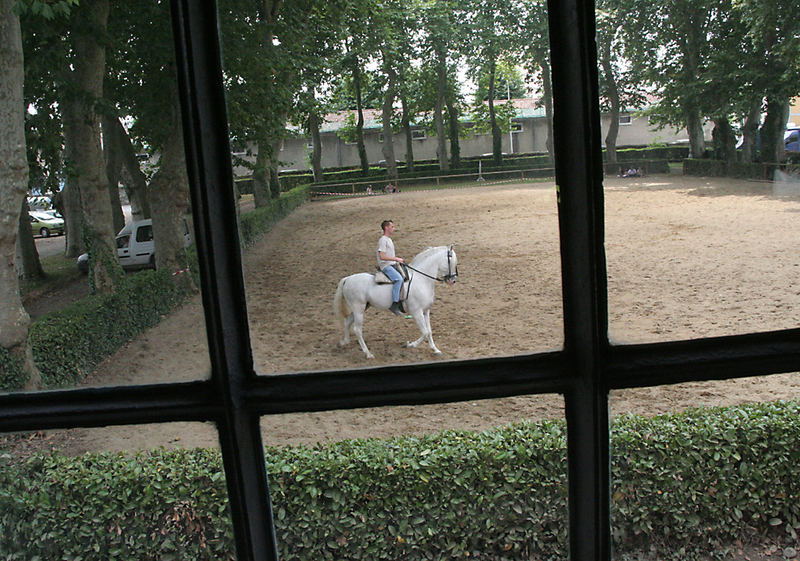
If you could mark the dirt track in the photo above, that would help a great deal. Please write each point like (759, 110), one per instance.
(687, 257)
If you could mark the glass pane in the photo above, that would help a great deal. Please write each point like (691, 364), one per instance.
(505, 278)
(113, 179)
(502, 222)
(700, 240)
(128, 492)
(698, 257)
(484, 479)
(706, 483)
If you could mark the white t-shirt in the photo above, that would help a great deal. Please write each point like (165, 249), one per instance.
(386, 245)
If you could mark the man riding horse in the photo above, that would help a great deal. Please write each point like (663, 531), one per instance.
(386, 261)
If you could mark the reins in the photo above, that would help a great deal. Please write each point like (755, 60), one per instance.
(449, 274)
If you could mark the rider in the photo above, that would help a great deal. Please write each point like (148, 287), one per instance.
(386, 259)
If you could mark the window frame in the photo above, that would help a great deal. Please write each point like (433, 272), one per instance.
(584, 371)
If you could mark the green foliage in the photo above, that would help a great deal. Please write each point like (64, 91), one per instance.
(12, 376)
(68, 344)
(258, 222)
(152, 506)
(690, 482)
(683, 486)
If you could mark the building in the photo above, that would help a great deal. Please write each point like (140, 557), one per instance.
(528, 135)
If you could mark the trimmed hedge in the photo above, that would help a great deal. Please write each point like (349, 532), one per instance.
(256, 223)
(721, 168)
(68, 344)
(683, 486)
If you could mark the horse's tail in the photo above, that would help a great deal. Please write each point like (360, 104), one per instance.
(340, 308)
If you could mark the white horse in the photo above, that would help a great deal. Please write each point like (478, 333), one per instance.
(356, 292)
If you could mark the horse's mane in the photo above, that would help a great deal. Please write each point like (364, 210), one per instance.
(424, 254)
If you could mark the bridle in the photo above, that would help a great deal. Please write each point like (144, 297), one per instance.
(449, 277)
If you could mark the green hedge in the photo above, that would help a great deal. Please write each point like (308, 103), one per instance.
(720, 168)
(67, 345)
(11, 374)
(683, 486)
(256, 223)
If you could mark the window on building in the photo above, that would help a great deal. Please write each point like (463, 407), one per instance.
(516, 127)
(625, 120)
(418, 134)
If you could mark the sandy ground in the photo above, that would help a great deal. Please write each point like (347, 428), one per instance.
(687, 257)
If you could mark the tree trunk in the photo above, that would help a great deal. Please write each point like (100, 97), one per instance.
(362, 149)
(724, 142)
(386, 119)
(497, 139)
(71, 197)
(750, 132)
(133, 178)
(406, 120)
(169, 194)
(773, 148)
(87, 76)
(547, 94)
(274, 176)
(112, 154)
(613, 100)
(14, 320)
(316, 142)
(31, 266)
(261, 176)
(694, 127)
(452, 121)
(441, 140)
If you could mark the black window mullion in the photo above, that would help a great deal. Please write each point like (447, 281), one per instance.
(579, 178)
(210, 172)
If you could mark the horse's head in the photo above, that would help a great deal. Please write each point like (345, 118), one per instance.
(449, 270)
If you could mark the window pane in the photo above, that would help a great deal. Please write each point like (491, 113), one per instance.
(420, 481)
(128, 492)
(506, 300)
(105, 317)
(706, 482)
(698, 257)
(700, 241)
(303, 87)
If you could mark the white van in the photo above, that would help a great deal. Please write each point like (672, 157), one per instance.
(135, 246)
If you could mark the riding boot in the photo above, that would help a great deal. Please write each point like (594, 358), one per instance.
(396, 309)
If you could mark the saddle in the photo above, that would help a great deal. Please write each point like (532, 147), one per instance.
(381, 278)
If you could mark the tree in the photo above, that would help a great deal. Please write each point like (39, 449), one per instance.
(14, 320)
(493, 23)
(143, 86)
(82, 134)
(532, 42)
(616, 89)
(772, 29)
(509, 82)
(669, 44)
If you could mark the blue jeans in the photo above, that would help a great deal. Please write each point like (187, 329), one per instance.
(397, 281)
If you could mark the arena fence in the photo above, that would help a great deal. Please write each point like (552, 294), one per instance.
(382, 185)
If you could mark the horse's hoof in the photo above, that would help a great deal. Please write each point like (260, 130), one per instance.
(437, 352)
(370, 355)
(406, 345)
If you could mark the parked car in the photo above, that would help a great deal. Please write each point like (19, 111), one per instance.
(45, 224)
(792, 139)
(135, 246)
